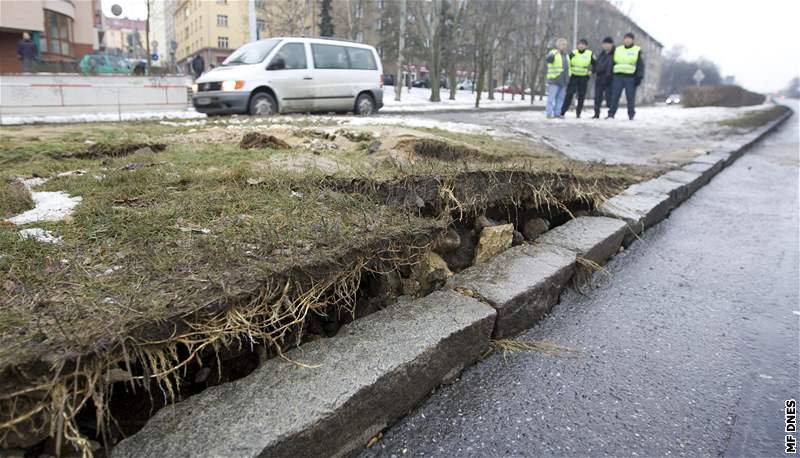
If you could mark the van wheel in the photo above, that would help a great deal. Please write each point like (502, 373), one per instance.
(263, 104)
(365, 105)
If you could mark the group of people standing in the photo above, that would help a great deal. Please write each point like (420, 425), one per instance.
(615, 68)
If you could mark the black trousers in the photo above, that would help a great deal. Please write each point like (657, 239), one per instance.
(602, 91)
(628, 84)
(576, 83)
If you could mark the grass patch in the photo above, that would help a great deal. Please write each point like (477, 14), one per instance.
(14, 199)
(755, 118)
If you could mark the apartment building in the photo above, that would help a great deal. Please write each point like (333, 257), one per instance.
(63, 30)
(162, 32)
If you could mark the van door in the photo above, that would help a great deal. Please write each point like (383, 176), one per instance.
(334, 89)
(289, 76)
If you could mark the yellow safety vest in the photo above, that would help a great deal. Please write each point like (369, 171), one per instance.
(555, 68)
(579, 62)
(625, 59)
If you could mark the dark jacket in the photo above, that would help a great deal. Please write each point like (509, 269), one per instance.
(603, 65)
(26, 50)
(198, 65)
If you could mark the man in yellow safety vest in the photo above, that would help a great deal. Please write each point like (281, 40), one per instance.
(581, 61)
(557, 78)
(628, 74)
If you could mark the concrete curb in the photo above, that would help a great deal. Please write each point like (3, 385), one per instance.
(355, 385)
(381, 366)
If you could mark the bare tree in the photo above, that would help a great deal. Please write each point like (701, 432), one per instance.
(494, 23)
(398, 83)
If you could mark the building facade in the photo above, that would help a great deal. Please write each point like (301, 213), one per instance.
(162, 32)
(63, 30)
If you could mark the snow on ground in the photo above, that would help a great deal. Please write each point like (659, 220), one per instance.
(48, 205)
(420, 122)
(39, 234)
(100, 117)
(418, 99)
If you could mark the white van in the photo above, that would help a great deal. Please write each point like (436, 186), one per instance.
(283, 75)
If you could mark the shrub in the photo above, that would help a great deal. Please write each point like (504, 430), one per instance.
(720, 96)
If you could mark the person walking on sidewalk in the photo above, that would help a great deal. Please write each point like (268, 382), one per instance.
(557, 78)
(198, 66)
(602, 71)
(628, 74)
(580, 69)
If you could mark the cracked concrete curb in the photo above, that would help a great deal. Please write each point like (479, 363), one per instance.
(353, 386)
(381, 366)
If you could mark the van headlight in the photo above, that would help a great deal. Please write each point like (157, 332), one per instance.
(232, 85)
(194, 88)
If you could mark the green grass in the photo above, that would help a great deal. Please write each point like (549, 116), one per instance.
(755, 118)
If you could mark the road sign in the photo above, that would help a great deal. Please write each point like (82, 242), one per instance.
(116, 10)
(699, 76)
(154, 56)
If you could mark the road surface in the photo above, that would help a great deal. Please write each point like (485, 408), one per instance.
(689, 348)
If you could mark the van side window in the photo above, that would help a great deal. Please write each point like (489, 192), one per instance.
(330, 56)
(291, 56)
(361, 59)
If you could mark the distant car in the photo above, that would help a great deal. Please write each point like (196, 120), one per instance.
(389, 79)
(673, 99)
(105, 64)
(466, 85)
(511, 90)
(422, 82)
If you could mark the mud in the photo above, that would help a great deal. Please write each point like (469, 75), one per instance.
(252, 140)
(101, 150)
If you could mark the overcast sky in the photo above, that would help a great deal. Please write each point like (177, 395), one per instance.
(754, 40)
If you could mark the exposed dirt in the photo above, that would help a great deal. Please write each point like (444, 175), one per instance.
(444, 150)
(100, 150)
(259, 140)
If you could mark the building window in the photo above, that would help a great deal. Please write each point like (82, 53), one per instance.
(259, 3)
(360, 37)
(57, 36)
(359, 10)
(222, 42)
(222, 20)
(379, 25)
(222, 2)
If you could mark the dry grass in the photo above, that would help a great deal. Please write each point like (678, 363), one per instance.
(510, 347)
(14, 199)
(755, 118)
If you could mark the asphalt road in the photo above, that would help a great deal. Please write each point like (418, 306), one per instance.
(690, 347)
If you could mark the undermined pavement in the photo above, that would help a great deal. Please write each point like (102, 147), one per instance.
(418, 353)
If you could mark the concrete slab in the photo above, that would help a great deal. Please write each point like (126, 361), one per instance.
(692, 180)
(522, 284)
(358, 383)
(596, 238)
(706, 171)
(677, 191)
(640, 211)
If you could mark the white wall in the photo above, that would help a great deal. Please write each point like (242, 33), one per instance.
(54, 93)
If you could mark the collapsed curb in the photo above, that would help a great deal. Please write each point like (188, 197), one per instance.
(378, 368)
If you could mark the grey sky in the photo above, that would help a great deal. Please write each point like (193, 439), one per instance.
(753, 40)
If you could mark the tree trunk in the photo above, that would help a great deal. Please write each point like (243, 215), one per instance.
(436, 52)
(491, 77)
(398, 82)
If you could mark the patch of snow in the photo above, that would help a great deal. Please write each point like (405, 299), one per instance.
(39, 234)
(101, 117)
(72, 173)
(418, 122)
(418, 99)
(50, 206)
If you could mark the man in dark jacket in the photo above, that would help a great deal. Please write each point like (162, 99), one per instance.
(198, 65)
(628, 74)
(602, 69)
(26, 52)
(581, 61)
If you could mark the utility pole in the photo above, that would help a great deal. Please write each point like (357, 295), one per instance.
(251, 18)
(398, 82)
(147, 39)
(574, 43)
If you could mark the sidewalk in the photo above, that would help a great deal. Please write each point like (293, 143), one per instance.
(418, 100)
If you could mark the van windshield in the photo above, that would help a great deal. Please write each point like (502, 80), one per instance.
(251, 53)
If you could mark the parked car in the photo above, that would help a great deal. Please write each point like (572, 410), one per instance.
(466, 85)
(389, 79)
(104, 63)
(422, 82)
(282, 75)
(674, 99)
(509, 89)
